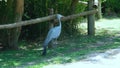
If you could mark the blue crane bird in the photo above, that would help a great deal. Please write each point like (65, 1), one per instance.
(53, 33)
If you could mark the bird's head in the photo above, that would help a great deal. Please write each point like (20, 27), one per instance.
(59, 16)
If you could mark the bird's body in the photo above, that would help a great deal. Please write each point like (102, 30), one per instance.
(53, 33)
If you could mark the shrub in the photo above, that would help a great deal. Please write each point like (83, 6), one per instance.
(39, 8)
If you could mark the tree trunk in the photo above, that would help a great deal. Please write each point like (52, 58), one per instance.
(15, 32)
(71, 10)
(99, 10)
(73, 5)
(13, 13)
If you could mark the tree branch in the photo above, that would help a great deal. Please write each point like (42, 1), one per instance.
(79, 15)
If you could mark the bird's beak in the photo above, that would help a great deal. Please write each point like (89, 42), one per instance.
(62, 16)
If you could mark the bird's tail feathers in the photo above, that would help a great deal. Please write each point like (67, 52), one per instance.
(46, 42)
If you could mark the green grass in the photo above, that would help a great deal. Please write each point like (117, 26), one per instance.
(69, 50)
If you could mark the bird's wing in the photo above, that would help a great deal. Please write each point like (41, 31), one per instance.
(53, 33)
(56, 32)
(49, 37)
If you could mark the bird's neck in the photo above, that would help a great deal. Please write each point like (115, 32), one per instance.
(59, 22)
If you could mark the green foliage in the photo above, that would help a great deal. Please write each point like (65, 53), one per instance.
(111, 6)
(40, 8)
(2, 9)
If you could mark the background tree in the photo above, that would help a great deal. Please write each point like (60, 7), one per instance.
(71, 26)
(110, 7)
(12, 12)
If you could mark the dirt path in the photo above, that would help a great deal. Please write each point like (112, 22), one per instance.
(109, 59)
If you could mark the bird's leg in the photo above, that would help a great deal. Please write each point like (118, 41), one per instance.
(56, 42)
(44, 50)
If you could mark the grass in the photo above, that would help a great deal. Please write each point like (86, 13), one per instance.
(73, 49)
(69, 50)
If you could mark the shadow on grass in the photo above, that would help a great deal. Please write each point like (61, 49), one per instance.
(111, 17)
(69, 50)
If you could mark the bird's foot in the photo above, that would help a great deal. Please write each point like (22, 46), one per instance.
(55, 43)
(44, 53)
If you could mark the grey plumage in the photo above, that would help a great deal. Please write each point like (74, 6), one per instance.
(53, 33)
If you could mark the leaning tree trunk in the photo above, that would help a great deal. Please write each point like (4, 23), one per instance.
(13, 13)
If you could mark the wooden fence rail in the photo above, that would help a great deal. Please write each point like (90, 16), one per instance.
(47, 18)
(27, 22)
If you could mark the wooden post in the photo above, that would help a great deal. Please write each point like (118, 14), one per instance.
(91, 20)
(97, 5)
(51, 25)
(51, 22)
